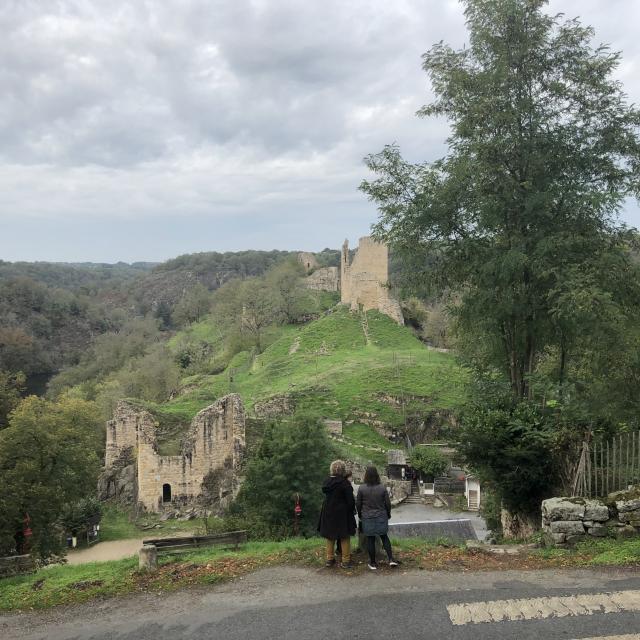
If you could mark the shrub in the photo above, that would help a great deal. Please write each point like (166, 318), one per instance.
(511, 449)
(292, 459)
(429, 461)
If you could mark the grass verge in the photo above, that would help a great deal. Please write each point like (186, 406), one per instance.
(63, 585)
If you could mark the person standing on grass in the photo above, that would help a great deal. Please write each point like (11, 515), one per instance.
(352, 517)
(336, 518)
(374, 510)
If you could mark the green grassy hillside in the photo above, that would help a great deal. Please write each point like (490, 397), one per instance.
(344, 366)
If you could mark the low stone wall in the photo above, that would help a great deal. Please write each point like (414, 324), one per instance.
(399, 490)
(16, 565)
(570, 520)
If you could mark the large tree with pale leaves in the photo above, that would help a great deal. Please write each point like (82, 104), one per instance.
(520, 217)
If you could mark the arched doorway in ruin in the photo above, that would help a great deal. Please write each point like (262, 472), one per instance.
(166, 493)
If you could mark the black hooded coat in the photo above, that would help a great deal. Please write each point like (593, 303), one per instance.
(337, 518)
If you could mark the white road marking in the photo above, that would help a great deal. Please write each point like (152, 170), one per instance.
(628, 636)
(541, 608)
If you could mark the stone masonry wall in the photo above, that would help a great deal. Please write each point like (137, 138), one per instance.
(308, 261)
(123, 431)
(215, 441)
(364, 281)
(325, 279)
(570, 520)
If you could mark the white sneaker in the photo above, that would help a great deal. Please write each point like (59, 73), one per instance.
(373, 567)
(393, 563)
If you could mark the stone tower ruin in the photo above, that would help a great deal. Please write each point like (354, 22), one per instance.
(213, 447)
(364, 281)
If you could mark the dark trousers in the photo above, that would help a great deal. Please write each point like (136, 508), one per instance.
(371, 547)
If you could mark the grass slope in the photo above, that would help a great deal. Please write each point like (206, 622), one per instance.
(330, 367)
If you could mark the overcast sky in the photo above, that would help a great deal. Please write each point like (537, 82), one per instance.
(146, 129)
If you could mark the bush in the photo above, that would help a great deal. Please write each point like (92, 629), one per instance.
(429, 461)
(77, 516)
(511, 449)
(292, 459)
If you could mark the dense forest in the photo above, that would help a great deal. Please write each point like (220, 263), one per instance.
(80, 322)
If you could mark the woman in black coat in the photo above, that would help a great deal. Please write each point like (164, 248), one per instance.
(336, 518)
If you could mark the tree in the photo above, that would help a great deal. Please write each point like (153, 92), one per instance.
(429, 461)
(47, 460)
(543, 151)
(286, 281)
(258, 309)
(193, 306)
(11, 386)
(512, 449)
(292, 459)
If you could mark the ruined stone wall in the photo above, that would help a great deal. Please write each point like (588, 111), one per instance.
(364, 281)
(308, 261)
(123, 431)
(215, 441)
(325, 279)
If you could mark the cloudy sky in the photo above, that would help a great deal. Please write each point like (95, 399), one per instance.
(145, 129)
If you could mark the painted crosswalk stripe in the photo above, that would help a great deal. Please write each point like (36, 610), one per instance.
(540, 608)
(628, 636)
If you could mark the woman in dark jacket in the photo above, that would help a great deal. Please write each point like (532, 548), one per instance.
(336, 518)
(374, 510)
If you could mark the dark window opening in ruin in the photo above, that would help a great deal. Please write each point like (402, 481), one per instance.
(166, 493)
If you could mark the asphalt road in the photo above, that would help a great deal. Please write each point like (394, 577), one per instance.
(421, 512)
(298, 604)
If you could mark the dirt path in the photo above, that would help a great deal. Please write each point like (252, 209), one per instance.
(102, 551)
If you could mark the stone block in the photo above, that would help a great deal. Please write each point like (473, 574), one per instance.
(573, 539)
(558, 538)
(569, 527)
(624, 506)
(629, 516)
(599, 531)
(148, 558)
(564, 509)
(596, 510)
(625, 532)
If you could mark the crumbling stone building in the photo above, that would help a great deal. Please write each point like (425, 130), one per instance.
(364, 281)
(211, 457)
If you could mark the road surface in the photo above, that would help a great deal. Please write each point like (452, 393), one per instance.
(288, 603)
(412, 512)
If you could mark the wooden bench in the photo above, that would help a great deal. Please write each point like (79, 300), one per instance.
(148, 556)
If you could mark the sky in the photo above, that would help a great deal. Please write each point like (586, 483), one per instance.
(145, 129)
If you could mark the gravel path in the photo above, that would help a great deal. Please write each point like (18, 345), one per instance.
(102, 551)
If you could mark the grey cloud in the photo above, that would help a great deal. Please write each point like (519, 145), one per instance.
(223, 107)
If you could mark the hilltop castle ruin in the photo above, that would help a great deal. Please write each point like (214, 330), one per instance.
(211, 456)
(364, 281)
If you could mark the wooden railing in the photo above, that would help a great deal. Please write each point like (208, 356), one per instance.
(608, 466)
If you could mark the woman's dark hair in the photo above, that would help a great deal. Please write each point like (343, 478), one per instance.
(371, 476)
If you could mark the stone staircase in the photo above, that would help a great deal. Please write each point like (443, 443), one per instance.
(414, 497)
